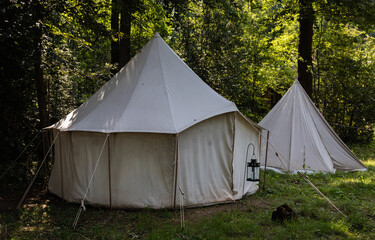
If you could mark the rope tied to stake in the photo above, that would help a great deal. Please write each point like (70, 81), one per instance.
(83, 205)
(182, 214)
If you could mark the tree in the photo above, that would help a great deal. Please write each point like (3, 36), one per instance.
(121, 22)
(37, 40)
(306, 22)
(343, 69)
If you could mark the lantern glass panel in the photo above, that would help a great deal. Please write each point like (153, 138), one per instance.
(249, 172)
(256, 173)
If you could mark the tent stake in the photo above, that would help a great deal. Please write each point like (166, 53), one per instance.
(321, 194)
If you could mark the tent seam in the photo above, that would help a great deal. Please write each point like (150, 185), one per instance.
(291, 133)
(165, 86)
(205, 117)
(320, 136)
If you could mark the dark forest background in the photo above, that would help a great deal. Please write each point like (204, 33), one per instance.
(55, 54)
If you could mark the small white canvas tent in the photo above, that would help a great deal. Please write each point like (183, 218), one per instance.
(303, 139)
(153, 131)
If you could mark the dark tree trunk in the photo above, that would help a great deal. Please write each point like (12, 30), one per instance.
(306, 20)
(125, 28)
(115, 47)
(39, 79)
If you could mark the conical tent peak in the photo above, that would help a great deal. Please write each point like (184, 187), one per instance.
(156, 35)
(303, 139)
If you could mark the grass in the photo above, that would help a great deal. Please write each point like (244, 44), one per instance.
(353, 193)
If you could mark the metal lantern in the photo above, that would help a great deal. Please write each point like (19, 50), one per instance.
(252, 166)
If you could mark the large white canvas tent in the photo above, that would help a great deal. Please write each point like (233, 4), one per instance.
(303, 139)
(153, 132)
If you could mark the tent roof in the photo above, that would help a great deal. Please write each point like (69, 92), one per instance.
(303, 138)
(155, 92)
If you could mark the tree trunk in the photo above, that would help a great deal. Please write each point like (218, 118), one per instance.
(125, 28)
(115, 48)
(39, 79)
(306, 20)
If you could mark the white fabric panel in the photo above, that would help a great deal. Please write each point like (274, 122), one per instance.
(245, 133)
(80, 152)
(303, 138)
(205, 161)
(278, 122)
(307, 149)
(342, 157)
(86, 148)
(149, 98)
(142, 170)
(157, 83)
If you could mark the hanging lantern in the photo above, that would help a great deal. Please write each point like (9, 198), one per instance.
(252, 166)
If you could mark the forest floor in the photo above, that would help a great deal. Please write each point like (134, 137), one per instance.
(45, 216)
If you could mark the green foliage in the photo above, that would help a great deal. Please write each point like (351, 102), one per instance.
(344, 80)
(65, 39)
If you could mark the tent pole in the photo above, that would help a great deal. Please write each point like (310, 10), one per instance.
(321, 194)
(109, 173)
(50, 134)
(265, 161)
(233, 143)
(176, 170)
(61, 169)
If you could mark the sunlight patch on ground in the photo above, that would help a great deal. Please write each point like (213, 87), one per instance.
(370, 162)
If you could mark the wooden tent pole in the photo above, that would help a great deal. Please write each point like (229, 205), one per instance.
(44, 153)
(50, 134)
(61, 169)
(265, 161)
(176, 170)
(321, 194)
(109, 173)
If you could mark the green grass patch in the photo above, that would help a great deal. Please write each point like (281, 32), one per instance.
(250, 218)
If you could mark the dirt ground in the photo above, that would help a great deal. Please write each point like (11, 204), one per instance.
(40, 196)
